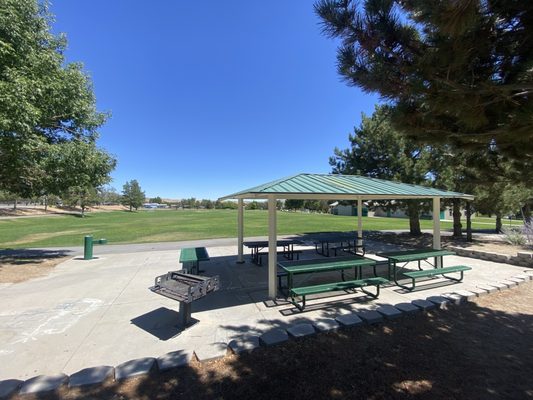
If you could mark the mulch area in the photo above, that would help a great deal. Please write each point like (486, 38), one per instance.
(481, 350)
(486, 243)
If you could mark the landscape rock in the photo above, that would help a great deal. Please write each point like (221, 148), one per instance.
(140, 366)
(174, 359)
(43, 383)
(244, 344)
(348, 319)
(301, 330)
(423, 304)
(407, 308)
(439, 301)
(91, 376)
(389, 311)
(211, 351)
(370, 316)
(8, 387)
(273, 337)
(327, 325)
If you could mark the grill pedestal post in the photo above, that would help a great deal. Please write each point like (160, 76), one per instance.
(184, 312)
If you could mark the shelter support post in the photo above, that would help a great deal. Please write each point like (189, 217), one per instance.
(359, 221)
(272, 248)
(436, 228)
(240, 231)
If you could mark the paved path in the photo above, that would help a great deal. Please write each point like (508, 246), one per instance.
(100, 312)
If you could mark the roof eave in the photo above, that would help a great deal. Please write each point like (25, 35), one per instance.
(341, 196)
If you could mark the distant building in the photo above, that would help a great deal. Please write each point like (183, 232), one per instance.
(154, 205)
(350, 210)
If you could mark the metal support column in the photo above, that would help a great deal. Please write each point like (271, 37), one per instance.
(359, 221)
(240, 231)
(436, 228)
(272, 253)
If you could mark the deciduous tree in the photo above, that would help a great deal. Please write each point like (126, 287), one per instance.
(44, 100)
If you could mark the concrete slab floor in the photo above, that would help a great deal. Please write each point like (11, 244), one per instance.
(100, 312)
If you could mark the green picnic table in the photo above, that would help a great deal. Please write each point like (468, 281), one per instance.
(191, 257)
(326, 265)
(407, 256)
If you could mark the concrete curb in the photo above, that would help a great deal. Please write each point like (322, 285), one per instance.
(523, 259)
(143, 366)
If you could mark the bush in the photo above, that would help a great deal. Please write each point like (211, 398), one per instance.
(514, 236)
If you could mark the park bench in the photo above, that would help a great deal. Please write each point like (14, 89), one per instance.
(302, 292)
(436, 271)
(191, 257)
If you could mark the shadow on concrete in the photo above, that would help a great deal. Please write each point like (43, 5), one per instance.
(161, 323)
(24, 256)
(247, 283)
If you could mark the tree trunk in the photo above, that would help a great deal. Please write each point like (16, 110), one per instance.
(131, 208)
(45, 203)
(457, 227)
(526, 213)
(468, 222)
(498, 223)
(15, 204)
(413, 211)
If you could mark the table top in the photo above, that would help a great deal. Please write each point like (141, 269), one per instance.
(194, 254)
(413, 255)
(264, 243)
(331, 264)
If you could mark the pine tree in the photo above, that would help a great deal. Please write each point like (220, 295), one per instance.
(132, 195)
(455, 72)
(377, 150)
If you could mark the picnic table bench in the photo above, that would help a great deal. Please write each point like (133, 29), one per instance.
(419, 255)
(337, 286)
(292, 268)
(191, 257)
(436, 271)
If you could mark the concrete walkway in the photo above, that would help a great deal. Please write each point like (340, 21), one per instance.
(100, 312)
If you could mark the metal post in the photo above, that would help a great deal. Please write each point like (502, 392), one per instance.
(240, 231)
(436, 229)
(88, 248)
(272, 247)
(359, 221)
(184, 314)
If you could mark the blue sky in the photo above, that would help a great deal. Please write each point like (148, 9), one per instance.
(209, 98)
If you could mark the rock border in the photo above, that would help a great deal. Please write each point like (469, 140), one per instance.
(522, 258)
(143, 366)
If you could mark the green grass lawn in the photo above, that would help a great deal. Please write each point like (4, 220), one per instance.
(176, 225)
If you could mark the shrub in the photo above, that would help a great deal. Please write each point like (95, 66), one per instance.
(514, 236)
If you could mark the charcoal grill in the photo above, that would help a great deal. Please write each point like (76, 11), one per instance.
(185, 288)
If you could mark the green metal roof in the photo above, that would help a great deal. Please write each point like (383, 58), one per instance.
(322, 186)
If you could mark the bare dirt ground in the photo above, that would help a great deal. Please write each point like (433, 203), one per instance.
(490, 243)
(481, 350)
(37, 210)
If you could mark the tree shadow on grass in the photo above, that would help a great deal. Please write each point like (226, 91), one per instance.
(465, 352)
